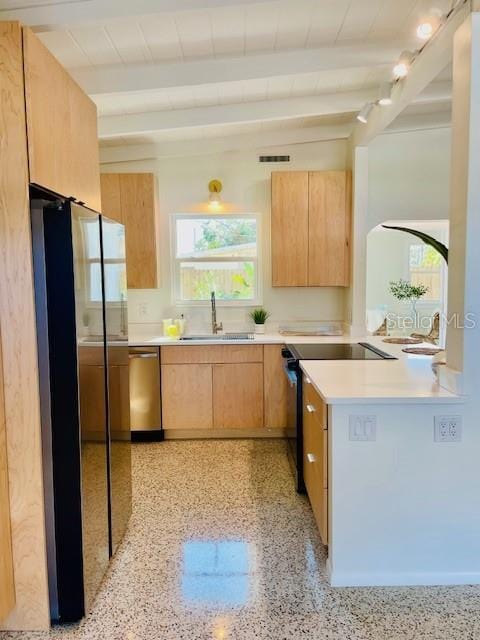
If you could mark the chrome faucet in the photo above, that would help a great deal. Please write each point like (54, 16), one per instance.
(215, 327)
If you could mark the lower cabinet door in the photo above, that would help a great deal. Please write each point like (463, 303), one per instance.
(315, 441)
(238, 396)
(187, 396)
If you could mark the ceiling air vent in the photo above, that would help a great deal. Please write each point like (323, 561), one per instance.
(274, 158)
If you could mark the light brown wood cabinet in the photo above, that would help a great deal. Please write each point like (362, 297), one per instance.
(110, 190)
(187, 391)
(223, 387)
(238, 396)
(290, 229)
(7, 587)
(130, 199)
(275, 387)
(61, 127)
(315, 456)
(311, 220)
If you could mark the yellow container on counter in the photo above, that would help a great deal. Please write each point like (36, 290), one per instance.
(172, 332)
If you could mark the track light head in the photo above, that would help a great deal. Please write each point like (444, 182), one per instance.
(402, 67)
(385, 94)
(365, 112)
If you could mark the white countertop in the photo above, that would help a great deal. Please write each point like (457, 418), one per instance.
(407, 380)
(267, 338)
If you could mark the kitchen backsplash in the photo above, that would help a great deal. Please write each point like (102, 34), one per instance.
(146, 312)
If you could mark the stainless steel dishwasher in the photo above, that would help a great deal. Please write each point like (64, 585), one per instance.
(145, 394)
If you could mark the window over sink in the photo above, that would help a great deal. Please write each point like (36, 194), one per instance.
(216, 253)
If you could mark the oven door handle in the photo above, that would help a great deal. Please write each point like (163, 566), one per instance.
(291, 376)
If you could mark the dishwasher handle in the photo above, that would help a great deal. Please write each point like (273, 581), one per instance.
(291, 376)
(145, 355)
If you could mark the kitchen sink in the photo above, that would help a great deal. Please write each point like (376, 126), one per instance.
(220, 337)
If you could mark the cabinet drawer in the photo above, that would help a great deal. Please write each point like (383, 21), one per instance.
(315, 457)
(316, 406)
(211, 354)
(315, 442)
(318, 497)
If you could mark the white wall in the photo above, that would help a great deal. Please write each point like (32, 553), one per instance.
(406, 512)
(408, 179)
(409, 176)
(183, 188)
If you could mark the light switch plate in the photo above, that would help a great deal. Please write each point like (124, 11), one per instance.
(363, 428)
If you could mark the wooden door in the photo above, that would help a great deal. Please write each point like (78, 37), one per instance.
(187, 396)
(289, 225)
(7, 587)
(275, 387)
(238, 396)
(110, 191)
(61, 127)
(329, 229)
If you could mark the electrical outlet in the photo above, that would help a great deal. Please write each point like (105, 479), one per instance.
(447, 428)
(142, 309)
(363, 428)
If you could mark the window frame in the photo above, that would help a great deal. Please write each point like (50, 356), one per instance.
(422, 302)
(175, 261)
(88, 263)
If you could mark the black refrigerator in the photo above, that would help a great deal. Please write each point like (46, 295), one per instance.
(81, 311)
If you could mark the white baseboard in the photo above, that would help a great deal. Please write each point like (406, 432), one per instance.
(407, 579)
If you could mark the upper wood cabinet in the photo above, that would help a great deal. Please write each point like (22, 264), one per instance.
(110, 190)
(311, 219)
(130, 199)
(329, 228)
(290, 229)
(61, 127)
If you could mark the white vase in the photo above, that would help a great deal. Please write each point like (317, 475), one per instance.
(259, 328)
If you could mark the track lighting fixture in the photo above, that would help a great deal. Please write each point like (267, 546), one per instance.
(430, 24)
(365, 112)
(402, 67)
(385, 94)
(425, 30)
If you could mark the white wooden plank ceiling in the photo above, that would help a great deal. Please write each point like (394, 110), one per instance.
(100, 40)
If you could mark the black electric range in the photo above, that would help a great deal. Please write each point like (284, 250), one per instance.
(292, 354)
(335, 351)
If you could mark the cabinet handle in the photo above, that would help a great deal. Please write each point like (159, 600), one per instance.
(133, 356)
(311, 457)
(310, 408)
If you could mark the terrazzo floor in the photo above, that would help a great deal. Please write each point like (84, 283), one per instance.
(221, 548)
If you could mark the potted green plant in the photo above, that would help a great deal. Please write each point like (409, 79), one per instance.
(259, 317)
(403, 290)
